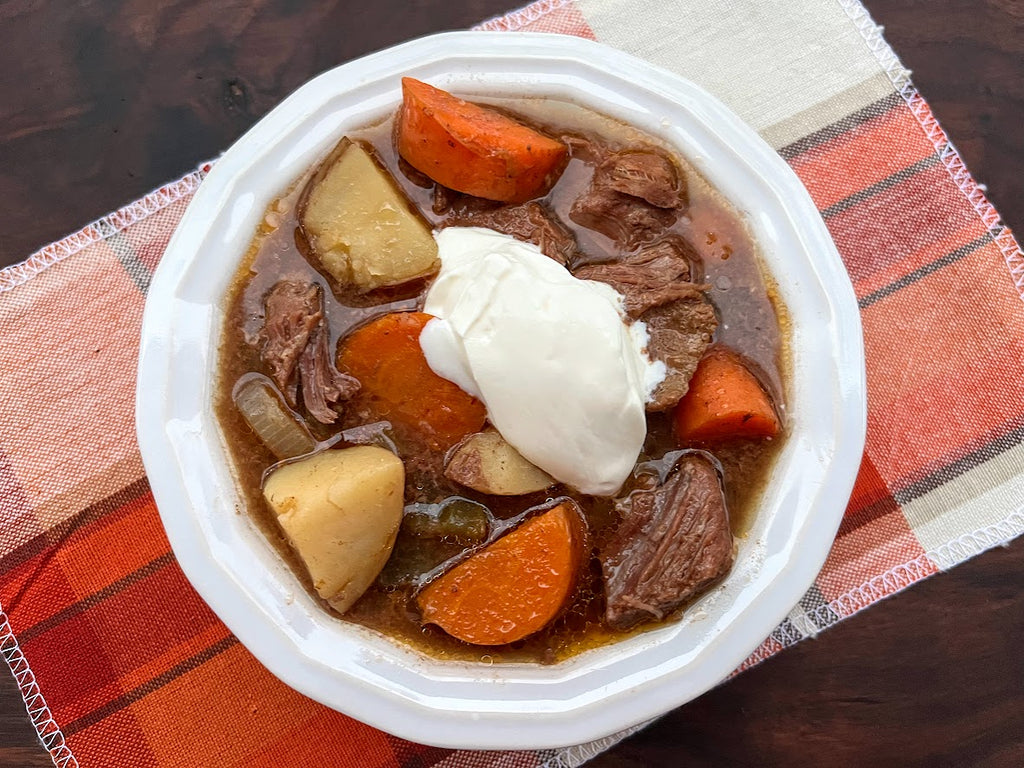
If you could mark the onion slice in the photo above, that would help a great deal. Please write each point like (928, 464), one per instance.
(263, 409)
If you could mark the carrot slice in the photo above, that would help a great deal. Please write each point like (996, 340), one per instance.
(725, 400)
(398, 385)
(473, 149)
(514, 586)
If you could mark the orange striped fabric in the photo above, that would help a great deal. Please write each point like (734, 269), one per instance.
(122, 664)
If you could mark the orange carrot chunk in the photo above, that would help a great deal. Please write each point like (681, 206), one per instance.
(725, 400)
(398, 385)
(473, 149)
(514, 586)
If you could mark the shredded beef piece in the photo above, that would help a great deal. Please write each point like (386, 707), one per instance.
(627, 220)
(672, 543)
(647, 175)
(414, 175)
(530, 222)
(444, 199)
(323, 385)
(679, 334)
(460, 205)
(634, 196)
(292, 312)
(656, 275)
(583, 148)
(294, 345)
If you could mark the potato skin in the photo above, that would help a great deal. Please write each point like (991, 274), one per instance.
(486, 462)
(340, 510)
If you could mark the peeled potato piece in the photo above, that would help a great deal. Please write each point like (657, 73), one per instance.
(360, 226)
(340, 510)
(486, 462)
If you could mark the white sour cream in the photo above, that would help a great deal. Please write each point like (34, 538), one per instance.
(564, 378)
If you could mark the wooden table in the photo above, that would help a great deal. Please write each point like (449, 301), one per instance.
(102, 101)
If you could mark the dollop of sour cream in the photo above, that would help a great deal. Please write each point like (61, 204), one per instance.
(563, 376)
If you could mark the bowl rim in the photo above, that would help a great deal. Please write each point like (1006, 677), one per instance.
(163, 441)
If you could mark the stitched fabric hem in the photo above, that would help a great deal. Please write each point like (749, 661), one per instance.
(851, 602)
(46, 727)
(573, 757)
(938, 560)
(510, 22)
(948, 154)
(101, 229)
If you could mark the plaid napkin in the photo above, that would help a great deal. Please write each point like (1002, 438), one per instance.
(120, 662)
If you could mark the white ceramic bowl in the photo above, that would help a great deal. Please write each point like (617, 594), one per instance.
(366, 675)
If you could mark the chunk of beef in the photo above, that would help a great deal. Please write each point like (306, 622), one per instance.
(672, 543)
(323, 385)
(530, 222)
(655, 284)
(293, 344)
(627, 220)
(292, 311)
(648, 175)
(679, 333)
(634, 196)
(655, 275)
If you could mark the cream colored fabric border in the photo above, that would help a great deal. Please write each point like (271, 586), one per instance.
(828, 112)
(770, 63)
(958, 520)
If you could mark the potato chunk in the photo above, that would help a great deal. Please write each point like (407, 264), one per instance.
(360, 226)
(486, 462)
(341, 510)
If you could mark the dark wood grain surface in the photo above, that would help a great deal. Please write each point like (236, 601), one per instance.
(103, 100)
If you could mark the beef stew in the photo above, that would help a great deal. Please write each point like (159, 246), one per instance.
(624, 211)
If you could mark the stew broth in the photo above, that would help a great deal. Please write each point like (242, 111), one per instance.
(752, 321)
